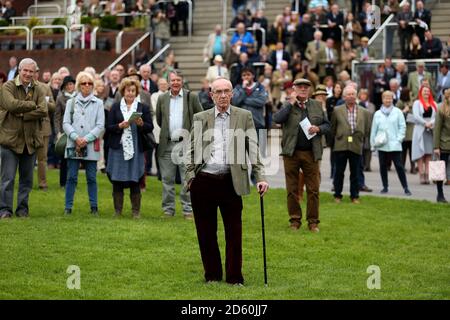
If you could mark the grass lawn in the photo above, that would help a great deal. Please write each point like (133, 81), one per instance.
(157, 258)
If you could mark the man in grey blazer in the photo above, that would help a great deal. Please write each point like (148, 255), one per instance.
(223, 141)
(174, 112)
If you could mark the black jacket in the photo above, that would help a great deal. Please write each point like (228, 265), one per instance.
(115, 133)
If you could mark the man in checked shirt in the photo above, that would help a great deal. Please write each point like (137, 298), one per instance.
(350, 125)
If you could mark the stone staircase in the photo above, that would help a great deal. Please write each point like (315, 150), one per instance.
(207, 14)
(440, 19)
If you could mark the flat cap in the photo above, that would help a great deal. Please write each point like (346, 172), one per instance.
(302, 81)
(319, 92)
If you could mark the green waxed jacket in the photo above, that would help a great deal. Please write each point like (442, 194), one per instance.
(290, 116)
(21, 116)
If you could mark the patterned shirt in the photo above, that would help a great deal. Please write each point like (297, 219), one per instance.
(218, 162)
(351, 116)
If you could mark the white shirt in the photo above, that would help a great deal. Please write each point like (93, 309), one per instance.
(176, 115)
(12, 73)
(279, 54)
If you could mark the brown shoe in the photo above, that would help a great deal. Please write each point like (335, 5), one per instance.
(313, 228)
(337, 200)
(188, 216)
(295, 226)
(356, 201)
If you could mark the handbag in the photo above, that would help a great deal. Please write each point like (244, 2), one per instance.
(437, 171)
(380, 139)
(60, 145)
(148, 141)
(61, 142)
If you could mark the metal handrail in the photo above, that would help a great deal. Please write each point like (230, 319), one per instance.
(43, 18)
(36, 6)
(137, 43)
(224, 14)
(263, 31)
(378, 61)
(119, 42)
(94, 38)
(20, 28)
(66, 40)
(83, 30)
(160, 52)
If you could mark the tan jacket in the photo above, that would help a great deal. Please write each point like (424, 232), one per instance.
(311, 53)
(51, 106)
(21, 116)
(278, 82)
(240, 120)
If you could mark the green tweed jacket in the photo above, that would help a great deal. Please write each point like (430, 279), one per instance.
(341, 130)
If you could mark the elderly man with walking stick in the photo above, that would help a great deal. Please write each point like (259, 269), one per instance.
(219, 177)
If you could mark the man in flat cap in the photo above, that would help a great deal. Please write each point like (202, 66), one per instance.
(302, 149)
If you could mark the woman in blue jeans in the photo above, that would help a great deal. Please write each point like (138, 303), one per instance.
(84, 123)
(390, 123)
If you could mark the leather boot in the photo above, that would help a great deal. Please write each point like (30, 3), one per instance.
(136, 205)
(118, 203)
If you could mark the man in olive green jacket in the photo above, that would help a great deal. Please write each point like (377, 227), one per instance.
(174, 112)
(22, 107)
(350, 125)
(303, 152)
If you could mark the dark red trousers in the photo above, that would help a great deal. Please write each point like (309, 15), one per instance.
(209, 192)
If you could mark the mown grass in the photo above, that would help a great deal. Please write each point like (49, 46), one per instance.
(157, 258)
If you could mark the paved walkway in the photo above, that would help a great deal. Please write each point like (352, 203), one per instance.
(275, 176)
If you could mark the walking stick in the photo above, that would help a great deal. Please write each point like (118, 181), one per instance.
(261, 201)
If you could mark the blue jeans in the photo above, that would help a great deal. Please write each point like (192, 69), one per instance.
(72, 179)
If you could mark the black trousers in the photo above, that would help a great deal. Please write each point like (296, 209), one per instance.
(445, 157)
(341, 163)
(209, 192)
(396, 157)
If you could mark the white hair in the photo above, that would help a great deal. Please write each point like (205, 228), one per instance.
(28, 61)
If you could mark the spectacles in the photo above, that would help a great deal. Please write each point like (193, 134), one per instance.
(221, 92)
(86, 84)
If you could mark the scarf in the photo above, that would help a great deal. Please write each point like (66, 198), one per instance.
(70, 95)
(127, 137)
(386, 110)
(84, 100)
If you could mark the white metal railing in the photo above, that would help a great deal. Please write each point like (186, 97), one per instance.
(132, 48)
(66, 30)
(119, 42)
(36, 6)
(374, 62)
(160, 52)
(94, 38)
(20, 28)
(224, 14)
(43, 18)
